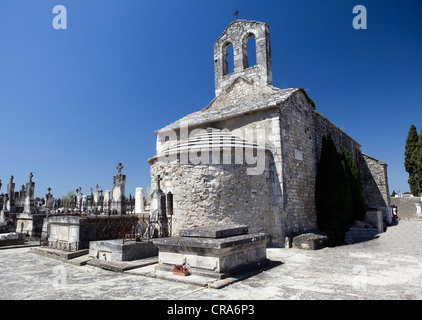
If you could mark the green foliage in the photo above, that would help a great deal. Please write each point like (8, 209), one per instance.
(418, 169)
(413, 160)
(339, 198)
(358, 199)
(67, 198)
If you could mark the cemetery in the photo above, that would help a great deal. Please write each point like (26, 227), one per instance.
(208, 219)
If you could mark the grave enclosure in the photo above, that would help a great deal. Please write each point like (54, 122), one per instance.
(216, 218)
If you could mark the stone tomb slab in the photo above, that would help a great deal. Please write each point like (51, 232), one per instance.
(217, 257)
(214, 232)
(309, 241)
(119, 250)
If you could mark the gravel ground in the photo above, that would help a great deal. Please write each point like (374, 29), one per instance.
(384, 268)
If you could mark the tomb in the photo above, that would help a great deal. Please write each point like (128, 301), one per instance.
(12, 238)
(215, 251)
(73, 232)
(309, 241)
(121, 250)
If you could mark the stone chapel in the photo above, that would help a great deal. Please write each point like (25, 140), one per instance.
(250, 156)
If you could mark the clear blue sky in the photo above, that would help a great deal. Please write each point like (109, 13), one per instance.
(75, 102)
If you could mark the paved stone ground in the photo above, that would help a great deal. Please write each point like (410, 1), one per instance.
(388, 267)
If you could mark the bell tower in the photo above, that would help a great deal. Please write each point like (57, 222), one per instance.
(237, 34)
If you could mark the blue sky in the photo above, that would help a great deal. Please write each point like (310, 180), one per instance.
(75, 102)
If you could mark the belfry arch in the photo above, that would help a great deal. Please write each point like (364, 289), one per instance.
(238, 34)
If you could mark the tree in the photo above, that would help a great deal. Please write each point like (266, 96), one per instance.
(333, 195)
(67, 198)
(417, 155)
(358, 199)
(411, 160)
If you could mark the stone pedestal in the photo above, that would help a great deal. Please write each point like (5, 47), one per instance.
(217, 251)
(139, 200)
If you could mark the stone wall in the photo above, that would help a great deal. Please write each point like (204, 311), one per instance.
(406, 207)
(279, 202)
(375, 185)
(207, 195)
(237, 34)
(302, 129)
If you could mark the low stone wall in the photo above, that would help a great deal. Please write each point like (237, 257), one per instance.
(406, 207)
(12, 238)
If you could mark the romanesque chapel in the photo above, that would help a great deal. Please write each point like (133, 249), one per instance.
(250, 156)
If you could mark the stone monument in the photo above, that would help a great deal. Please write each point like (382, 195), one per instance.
(10, 206)
(215, 251)
(79, 198)
(49, 200)
(118, 203)
(29, 205)
(106, 200)
(96, 196)
(158, 201)
(139, 201)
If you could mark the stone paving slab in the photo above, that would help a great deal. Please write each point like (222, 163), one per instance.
(122, 266)
(386, 268)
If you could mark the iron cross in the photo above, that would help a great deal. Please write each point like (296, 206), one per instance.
(236, 13)
(30, 177)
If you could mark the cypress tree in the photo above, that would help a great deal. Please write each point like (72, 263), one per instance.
(410, 160)
(358, 199)
(418, 166)
(333, 198)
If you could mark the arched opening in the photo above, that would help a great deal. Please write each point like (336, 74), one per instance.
(169, 203)
(249, 51)
(228, 58)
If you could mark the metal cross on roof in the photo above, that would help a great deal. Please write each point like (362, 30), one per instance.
(30, 176)
(49, 189)
(236, 13)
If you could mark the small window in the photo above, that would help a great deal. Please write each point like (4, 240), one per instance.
(249, 51)
(228, 57)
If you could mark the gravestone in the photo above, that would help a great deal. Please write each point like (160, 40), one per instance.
(79, 198)
(10, 203)
(29, 205)
(96, 198)
(139, 200)
(49, 200)
(106, 200)
(158, 201)
(118, 204)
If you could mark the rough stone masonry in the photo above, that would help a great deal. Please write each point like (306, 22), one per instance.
(251, 116)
